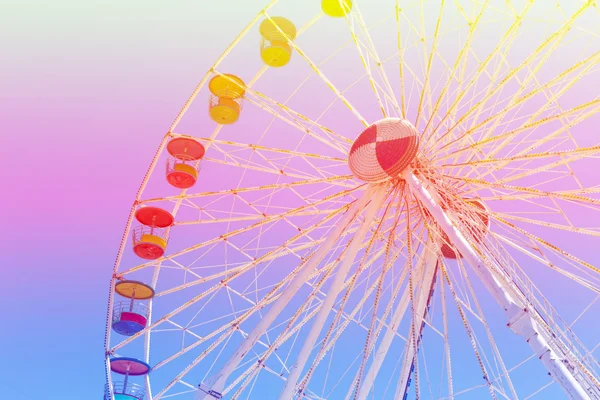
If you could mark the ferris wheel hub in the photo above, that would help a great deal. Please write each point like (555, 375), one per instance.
(384, 150)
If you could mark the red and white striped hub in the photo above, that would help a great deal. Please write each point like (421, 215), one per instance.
(383, 150)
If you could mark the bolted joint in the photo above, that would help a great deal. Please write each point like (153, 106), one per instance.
(520, 321)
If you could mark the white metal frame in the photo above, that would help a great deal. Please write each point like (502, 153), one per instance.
(521, 315)
(425, 273)
(217, 383)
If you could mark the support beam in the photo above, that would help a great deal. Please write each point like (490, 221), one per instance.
(422, 300)
(214, 386)
(147, 336)
(290, 389)
(519, 312)
(425, 267)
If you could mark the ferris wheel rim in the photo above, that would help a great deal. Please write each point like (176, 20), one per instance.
(169, 135)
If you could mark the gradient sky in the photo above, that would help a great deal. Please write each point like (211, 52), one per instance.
(87, 90)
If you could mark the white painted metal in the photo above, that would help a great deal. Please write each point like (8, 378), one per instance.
(421, 294)
(519, 312)
(217, 383)
(289, 389)
(446, 341)
(155, 275)
(109, 383)
(426, 266)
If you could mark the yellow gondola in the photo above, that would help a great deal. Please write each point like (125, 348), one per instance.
(275, 50)
(225, 103)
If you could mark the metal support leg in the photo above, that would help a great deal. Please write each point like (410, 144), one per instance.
(425, 267)
(422, 300)
(518, 310)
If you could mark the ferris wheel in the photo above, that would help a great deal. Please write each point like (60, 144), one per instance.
(394, 201)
